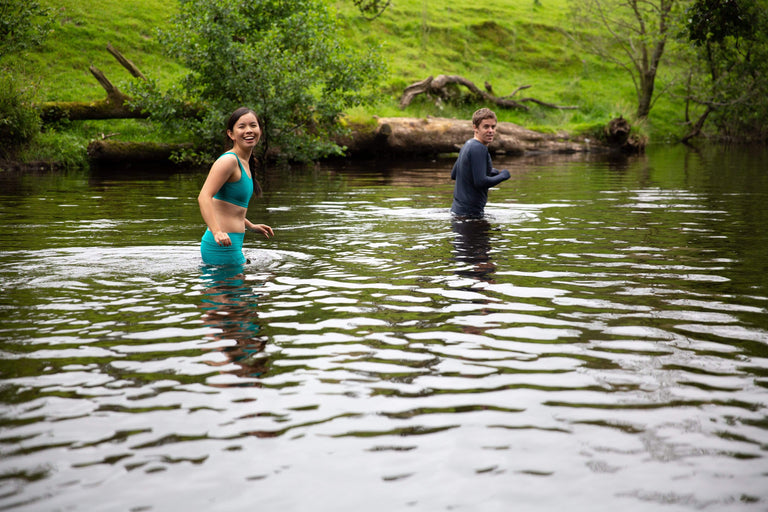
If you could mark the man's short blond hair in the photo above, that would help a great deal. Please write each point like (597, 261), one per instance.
(481, 115)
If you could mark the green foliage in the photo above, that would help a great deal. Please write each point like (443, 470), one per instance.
(715, 20)
(19, 121)
(282, 59)
(730, 78)
(66, 148)
(24, 24)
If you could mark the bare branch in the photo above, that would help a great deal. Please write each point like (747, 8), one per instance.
(439, 87)
(127, 64)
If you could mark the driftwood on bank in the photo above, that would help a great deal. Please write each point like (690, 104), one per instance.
(112, 107)
(391, 137)
(434, 135)
(119, 152)
(441, 86)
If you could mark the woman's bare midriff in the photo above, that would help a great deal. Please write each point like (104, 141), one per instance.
(230, 217)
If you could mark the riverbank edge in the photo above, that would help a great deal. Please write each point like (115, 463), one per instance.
(384, 137)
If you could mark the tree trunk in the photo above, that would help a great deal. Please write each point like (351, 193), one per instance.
(618, 137)
(617, 132)
(112, 107)
(696, 130)
(645, 94)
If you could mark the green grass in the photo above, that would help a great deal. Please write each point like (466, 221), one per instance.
(83, 30)
(507, 43)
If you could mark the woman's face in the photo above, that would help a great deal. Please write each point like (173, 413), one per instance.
(246, 131)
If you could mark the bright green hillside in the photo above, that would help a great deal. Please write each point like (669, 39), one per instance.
(508, 43)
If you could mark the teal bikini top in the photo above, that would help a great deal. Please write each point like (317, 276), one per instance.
(237, 192)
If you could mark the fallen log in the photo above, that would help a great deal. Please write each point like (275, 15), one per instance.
(441, 86)
(114, 106)
(435, 135)
(397, 137)
(119, 152)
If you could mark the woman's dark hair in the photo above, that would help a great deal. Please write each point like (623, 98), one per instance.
(237, 114)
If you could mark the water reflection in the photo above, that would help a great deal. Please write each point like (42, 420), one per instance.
(472, 246)
(607, 323)
(229, 306)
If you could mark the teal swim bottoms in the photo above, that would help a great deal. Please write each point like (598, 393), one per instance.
(215, 254)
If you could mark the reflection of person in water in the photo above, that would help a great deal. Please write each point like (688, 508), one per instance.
(229, 306)
(473, 171)
(473, 247)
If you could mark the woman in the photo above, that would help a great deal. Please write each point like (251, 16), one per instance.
(226, 193)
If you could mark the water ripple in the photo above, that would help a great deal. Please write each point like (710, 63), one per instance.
(378, 354)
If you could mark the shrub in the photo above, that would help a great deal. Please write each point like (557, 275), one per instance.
(19, 120)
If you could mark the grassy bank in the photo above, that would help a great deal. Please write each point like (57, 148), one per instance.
(507, 43)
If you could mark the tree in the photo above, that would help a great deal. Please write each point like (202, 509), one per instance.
(637, 35)
(729, 79)
(283, 59)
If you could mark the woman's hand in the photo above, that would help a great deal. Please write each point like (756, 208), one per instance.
(222, 239)
(261, 228)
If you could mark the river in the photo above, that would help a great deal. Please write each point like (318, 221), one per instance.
(599, 342)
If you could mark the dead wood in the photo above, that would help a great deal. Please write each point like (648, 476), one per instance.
(79, 111)
(396, 136)
(399, 137)
(112, 151)
(442, 87)
(127, 64)
(618, 137)
(617, 131)
(114, 106)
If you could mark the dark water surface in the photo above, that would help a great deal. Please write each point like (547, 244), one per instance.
(599, 343)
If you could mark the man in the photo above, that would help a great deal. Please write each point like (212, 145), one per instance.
(473, 171)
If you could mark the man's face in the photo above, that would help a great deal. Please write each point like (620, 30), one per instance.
(485, 131)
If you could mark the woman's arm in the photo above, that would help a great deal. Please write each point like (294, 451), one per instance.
(221, 170)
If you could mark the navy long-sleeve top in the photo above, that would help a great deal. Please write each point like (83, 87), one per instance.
(474, 175)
